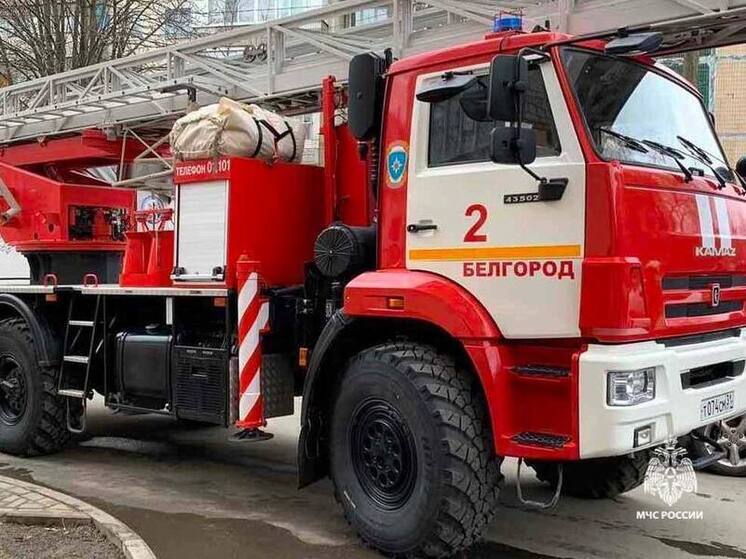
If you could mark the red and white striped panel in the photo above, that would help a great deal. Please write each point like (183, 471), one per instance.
(253, 318)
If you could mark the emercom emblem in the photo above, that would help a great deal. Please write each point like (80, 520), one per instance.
(669, 475)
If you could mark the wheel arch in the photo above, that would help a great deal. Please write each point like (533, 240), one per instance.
(45, 343)
(343, 337)
(423, 296)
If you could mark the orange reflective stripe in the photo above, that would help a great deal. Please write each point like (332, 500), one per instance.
(496, 253)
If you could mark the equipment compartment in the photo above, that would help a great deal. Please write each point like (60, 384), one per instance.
(200, 380)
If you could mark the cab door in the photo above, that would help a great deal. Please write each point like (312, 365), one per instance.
(481, 224)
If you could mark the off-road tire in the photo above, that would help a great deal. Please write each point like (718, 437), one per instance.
(596, 478)
(42, 429)
(457, 476)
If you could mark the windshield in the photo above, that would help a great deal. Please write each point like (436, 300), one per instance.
(629, 108)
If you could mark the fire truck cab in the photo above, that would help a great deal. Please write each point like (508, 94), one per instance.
(529, 246)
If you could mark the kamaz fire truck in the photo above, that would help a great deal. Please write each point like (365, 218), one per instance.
(529, 245)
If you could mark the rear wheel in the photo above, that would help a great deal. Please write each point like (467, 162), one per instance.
(32, 417)
(411, 452)
(596, 478)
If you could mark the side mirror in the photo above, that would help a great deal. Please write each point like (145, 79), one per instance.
(513, 146)
(741, 167)
(508, 82)
(365, 94)
(511, 143)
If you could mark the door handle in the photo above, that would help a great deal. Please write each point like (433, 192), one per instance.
(417, 227)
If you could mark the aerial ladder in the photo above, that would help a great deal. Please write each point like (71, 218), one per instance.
(282, 63)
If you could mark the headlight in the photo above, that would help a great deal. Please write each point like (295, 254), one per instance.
(628, 388)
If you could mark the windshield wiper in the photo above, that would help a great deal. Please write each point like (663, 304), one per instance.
(674, 154)
(701, 155)
(640, 145)
(628, 141)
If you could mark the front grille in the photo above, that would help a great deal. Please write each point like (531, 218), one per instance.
(702, 377)
(703, 283)
(725, 281)
(702, 338)
(687, 310)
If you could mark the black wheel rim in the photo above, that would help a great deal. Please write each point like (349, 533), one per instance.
(13, 391)
(383, 454)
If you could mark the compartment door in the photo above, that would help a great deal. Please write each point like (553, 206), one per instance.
(201, 230)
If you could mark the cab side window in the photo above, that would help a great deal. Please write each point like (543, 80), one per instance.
(460, 130)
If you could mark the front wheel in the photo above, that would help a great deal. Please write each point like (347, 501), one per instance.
(596, 478)
(411, 452)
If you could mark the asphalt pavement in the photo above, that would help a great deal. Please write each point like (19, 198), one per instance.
(190, 492)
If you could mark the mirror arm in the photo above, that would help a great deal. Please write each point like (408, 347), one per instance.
(519, 125)
(538, 178)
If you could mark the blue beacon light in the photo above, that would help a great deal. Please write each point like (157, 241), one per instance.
(508, 22)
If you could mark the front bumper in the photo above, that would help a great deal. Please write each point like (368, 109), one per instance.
(675, 411)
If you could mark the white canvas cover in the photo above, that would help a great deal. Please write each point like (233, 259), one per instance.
(233, 128)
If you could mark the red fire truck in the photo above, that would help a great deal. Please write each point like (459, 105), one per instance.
(529, 246)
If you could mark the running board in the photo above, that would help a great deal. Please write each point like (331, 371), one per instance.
(540, 505)
(76, 419)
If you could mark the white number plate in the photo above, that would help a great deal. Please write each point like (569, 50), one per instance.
(717, 405)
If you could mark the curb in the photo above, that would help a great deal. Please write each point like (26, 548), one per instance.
(132, 545)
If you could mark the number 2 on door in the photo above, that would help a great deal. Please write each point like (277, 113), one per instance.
(473, 235)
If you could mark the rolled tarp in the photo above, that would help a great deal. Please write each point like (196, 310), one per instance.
(236, 129)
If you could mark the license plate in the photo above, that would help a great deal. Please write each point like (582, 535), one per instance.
(717, 405)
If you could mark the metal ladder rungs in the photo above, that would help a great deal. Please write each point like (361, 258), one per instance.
(82, 323)
(70, 393)
(82, 359)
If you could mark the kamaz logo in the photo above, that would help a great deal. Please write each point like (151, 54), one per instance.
(715, 251)
(716, 238)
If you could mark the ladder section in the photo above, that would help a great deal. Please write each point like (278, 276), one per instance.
(281, 63)
(593, 16)
(83, 341)
(294, 54)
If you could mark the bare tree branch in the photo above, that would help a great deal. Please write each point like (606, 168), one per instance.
(43, 37)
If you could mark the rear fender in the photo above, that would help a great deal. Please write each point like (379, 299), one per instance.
(47, 349)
